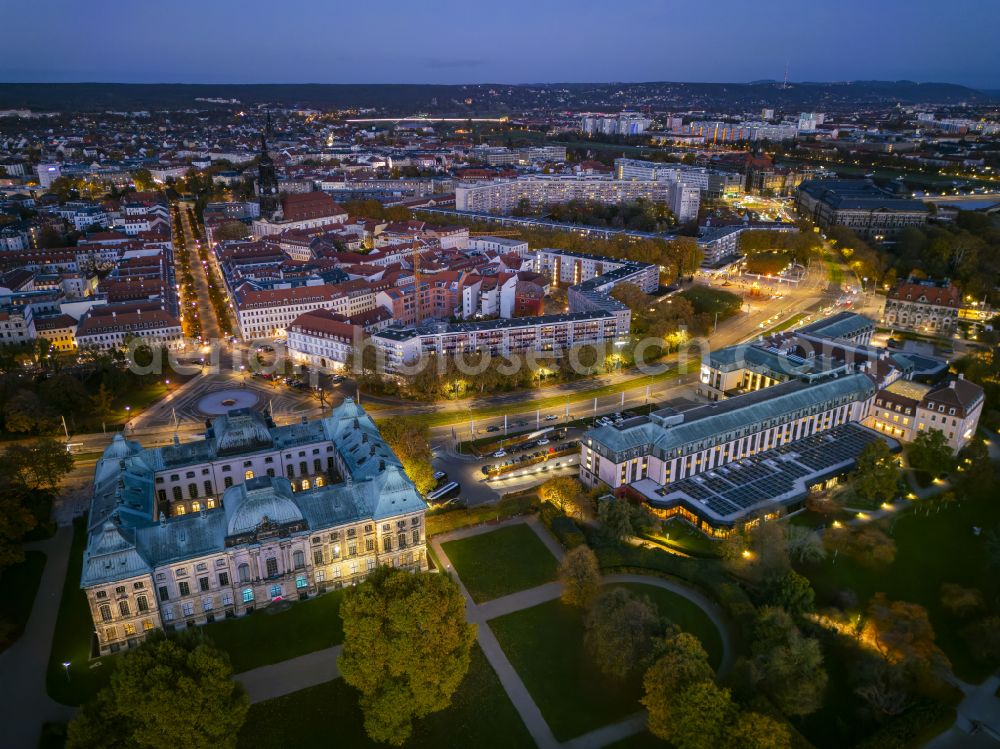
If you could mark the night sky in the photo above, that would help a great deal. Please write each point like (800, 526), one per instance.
(512, 41)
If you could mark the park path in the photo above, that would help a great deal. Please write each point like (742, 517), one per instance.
(24, 703)
(522, 700)
(279, 679)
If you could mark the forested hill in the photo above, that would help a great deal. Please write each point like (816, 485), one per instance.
(485, 98)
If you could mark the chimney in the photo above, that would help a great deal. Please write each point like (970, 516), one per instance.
(952, 384)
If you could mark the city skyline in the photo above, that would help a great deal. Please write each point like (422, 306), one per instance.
(521, 43)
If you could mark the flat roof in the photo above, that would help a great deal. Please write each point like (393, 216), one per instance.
(767, 481)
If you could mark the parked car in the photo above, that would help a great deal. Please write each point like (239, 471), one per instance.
(500, 454)
(493, 428)
(542, 441)
(551, 417)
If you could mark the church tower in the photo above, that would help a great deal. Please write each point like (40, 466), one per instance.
(267, 182)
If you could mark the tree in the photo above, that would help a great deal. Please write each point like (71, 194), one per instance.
(166, 693)
(756, 731)
(615, 517)
(407, 648)
(682, 662)
(39, 465)
(49, 237)
(102, 405)
(580, 576)
(16, 519)
(877, 473)
(631, 296)
(902, 633)
(620, 628)
(805, 544)
(930, 452)
(868, 544)
(410, 440)
(786, 664)
(702, 715)
(24, 412)
(231, 230)
(961, 601)
(790, 591)
(759, 552)
(563, 493)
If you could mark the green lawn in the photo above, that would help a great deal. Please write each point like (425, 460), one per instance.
(678, 534)
(641, 740)
(443, 521)
(20, 584)
(71, 641)
(783, 326)
(545, 645)
(500, 562)
(262, 638)
(931, 550)
(480, 716)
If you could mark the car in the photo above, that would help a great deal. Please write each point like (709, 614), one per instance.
(500, 454)
(493, 428)
(337, 379)
(440, 475)
(551, 417)
(542, 441)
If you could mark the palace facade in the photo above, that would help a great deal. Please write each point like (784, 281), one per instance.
(254, 513)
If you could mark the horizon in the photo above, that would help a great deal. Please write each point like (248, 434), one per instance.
(521, 84)
(450, 43)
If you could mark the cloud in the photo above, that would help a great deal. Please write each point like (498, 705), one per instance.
(453, 62)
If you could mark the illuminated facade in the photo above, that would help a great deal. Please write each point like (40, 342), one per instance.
(188, 534)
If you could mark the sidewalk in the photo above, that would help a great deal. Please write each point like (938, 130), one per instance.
(24, 703)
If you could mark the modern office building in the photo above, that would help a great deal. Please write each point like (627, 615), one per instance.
(254, 513)
(788, 413)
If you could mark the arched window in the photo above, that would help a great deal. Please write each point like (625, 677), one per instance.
(248, 475)
(196, 507)
(228, 481)
(303, 468)
(317, 465)
(105, 613)
(290, 470)
(299, 559)
(123, 608)
(178, 495)
(208, 488)
(193, 491)
(142, 603)
(272, 567)
(275, 591)
(305, 484)
(247, 595)
(244, 572)
(320, 481)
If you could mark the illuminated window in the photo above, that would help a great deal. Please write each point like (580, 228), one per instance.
(195, 506)
(320, 481)
(248, 475)
(305, 484)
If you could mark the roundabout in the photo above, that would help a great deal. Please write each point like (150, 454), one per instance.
(222, 401)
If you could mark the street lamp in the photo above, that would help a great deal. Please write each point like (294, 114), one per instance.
(66, 666)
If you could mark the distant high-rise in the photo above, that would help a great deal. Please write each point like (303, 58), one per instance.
(267, 182)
